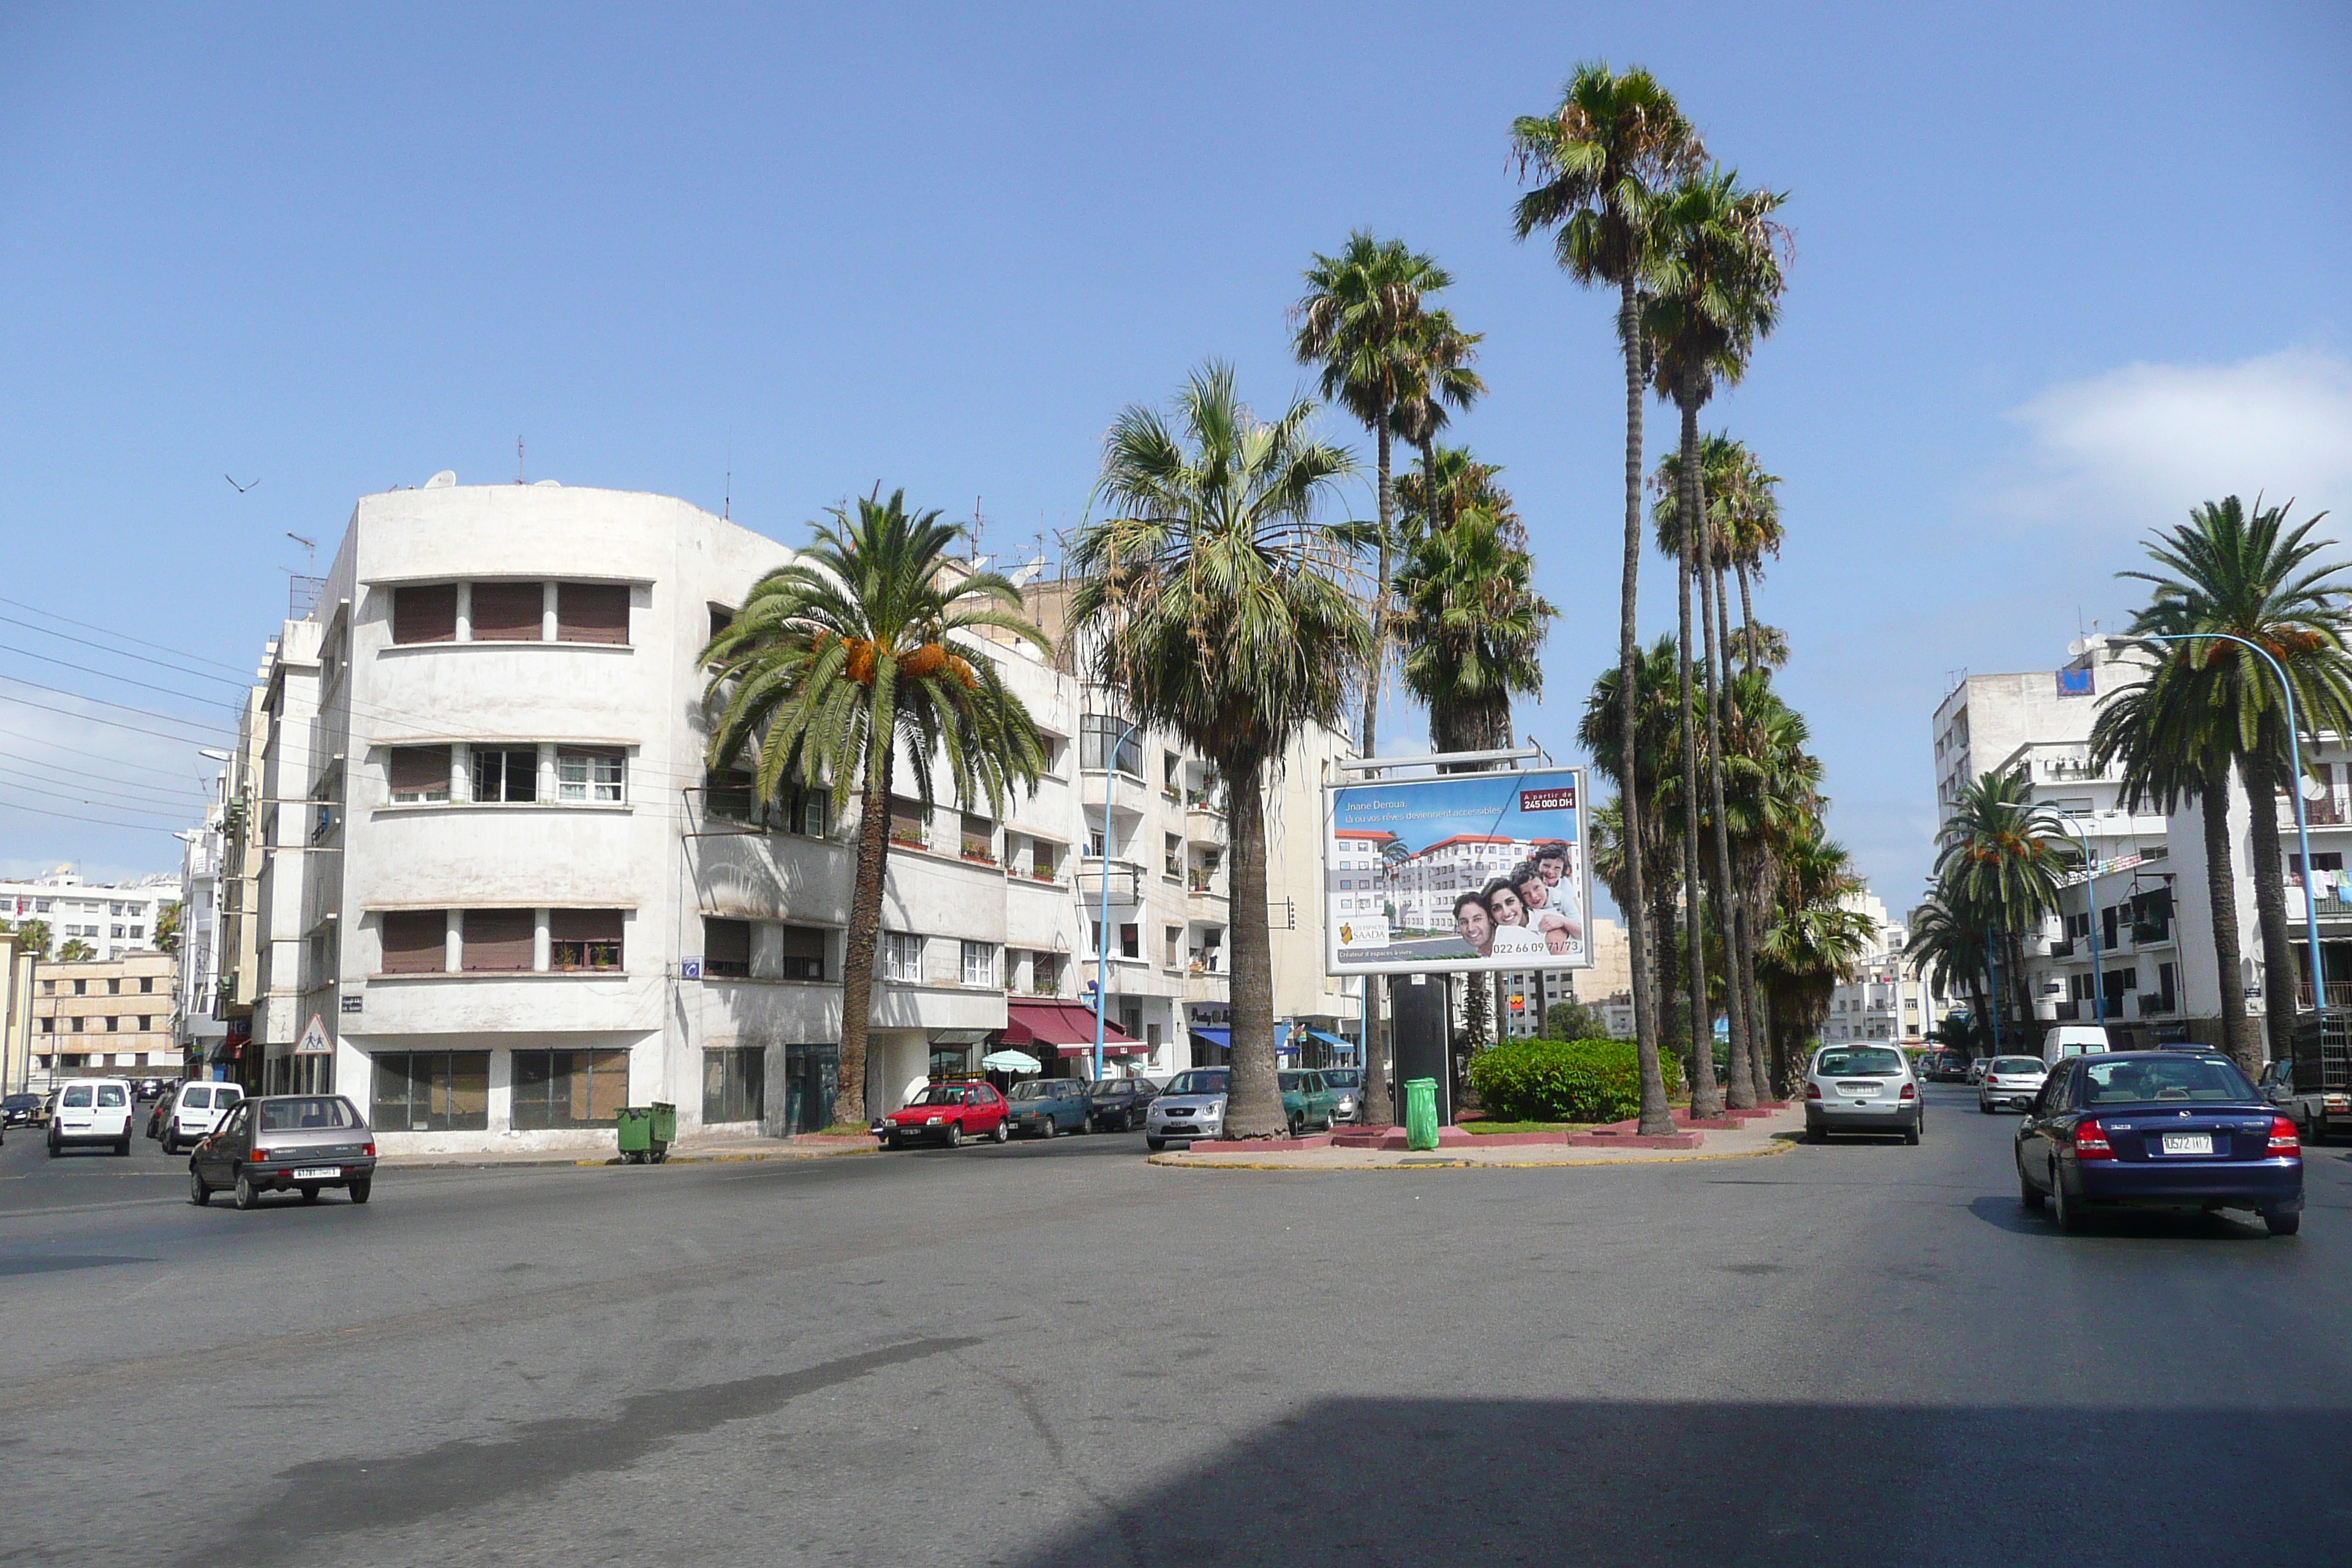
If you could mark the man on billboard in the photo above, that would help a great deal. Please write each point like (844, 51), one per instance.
(1473, 923)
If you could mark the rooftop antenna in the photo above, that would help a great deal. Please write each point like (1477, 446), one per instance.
(309, 551)
(975, 530)
(727, 507)
(518, 479)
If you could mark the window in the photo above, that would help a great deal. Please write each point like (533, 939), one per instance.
(583, 939)
(425, 614)
(49, 1026)
(734, 1084)
(979, 839)
(725, 949)
(511, 776)
(146, 1023)
(146, 985)
(979, 963)
(113, 1023)
(721, 617)
(81, 987)
(728, 794)
(1175, 946)
(2331, 861)
(1100, 736)
(807, 812)
(1045, 974)
(569, 1089)
(906, 818)
(116, 933)
(592, 612)
(586, 775)
(510, 612)
(114, 987)
(1171, 855)
(498, 940)
(415, 942)
(804, 952)
(1053, 746)
(1131, 942)
(902, 958)
(432, 1092)
(419, 773)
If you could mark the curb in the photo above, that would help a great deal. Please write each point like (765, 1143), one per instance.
(461, 1164)
(1438, 1162)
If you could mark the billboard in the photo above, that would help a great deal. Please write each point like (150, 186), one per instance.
(1484, 871)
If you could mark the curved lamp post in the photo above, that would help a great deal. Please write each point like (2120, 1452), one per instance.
(2302, 827)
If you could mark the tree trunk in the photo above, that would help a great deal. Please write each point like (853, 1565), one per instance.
(1373, 1105)
(1706, 1100)
(1253, 1106)
(1376, 676)
(857, 951)
(1741, 1090)
(2221, 890)
(1747, 619)
(1656, 1118)
(2262, 775)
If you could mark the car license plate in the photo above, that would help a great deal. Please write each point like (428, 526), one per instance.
(2188, 1143)
(318, 1174)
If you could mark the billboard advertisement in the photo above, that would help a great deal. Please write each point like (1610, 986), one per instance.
(1483, 871)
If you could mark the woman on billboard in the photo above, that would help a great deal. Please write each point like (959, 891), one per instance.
(1513, 932)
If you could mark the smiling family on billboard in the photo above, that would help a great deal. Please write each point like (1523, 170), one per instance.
(1472, 871)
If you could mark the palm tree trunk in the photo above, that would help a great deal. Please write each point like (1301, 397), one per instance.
(1656, 1118)
(2018, 988)
(1747, 620)
(1376, 676)
(2222, 892)
(1707, 1101)
(2263, 778)
(1254, 1107)
(1742, 1087)
(857, 949)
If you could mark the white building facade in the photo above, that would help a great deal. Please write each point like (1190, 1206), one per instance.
(111, 918)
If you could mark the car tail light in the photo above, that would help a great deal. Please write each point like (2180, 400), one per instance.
(369, 1151)
(2285, 1139)
(259, 1156)
(1909, 1093)
(2091, 1142)
(1813, 1092)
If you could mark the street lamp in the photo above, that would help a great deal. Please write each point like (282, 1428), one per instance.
(2090, 903)
(2302, 827)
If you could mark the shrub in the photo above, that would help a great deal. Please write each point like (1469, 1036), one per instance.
(1565, 1080)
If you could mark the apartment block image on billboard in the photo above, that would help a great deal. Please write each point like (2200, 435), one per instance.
(1479, 871)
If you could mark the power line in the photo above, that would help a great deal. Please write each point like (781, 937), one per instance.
(94, 719)
(79, 751)
(70, 816)
(47, 770)
(106, 675)
(125, 636)
(183, 806)
(124, 706)
(109, 806)
(118, 653)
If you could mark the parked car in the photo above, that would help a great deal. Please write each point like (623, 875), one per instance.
(1862, 1088)
(948, 1112)
(1118, 1102)
(1977, 1069)
(151, 1087)
(2066, 1040)
(1942, 1067)
(1193, 1106)
(285, 1142)
(162, 1109)
(1049, 1107)
(2158, 1129)
(2009, 1082)
(1308, 1098)
(91, 1111)
(1349, 1083)
(20, 1111)
(196, 1110)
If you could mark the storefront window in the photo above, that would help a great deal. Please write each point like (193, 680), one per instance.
(569, 1089)
(432, 1092)
(734, 1083)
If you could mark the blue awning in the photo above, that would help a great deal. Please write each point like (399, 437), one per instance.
(1333, 1040)
(1220, 1038)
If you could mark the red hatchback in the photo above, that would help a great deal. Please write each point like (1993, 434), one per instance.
(949, 1113)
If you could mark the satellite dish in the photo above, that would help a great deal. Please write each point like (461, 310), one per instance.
(546, 484)
(1024, 575)
(446, 480)
(2314, 789)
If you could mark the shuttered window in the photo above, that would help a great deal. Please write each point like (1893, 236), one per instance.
(420, 772)
(432, 1092)
(727, 948)
(499, 940)
(508, 612)
(427, 613)
(804, 952)
(592, 612)
(415, 942)
(583, 939)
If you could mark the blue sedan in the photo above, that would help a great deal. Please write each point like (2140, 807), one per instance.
(2158, 1130)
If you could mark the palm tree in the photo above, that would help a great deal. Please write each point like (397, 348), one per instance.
(1439, 359)
(1215, 602)
(864, 653)
(2005, 855)
(76, 951)
(1772, 801)
(1599, 159)
(32, 936)
(1449, 482)
(1643, 884)
(2248, 574)
(1948, 949)
(1813, 943)
(1361, 320)
(1718, 291)
(1474, 629)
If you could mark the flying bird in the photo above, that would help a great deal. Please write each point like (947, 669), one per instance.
(239, 488)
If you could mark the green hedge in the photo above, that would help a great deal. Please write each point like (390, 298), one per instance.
(1565, 1080)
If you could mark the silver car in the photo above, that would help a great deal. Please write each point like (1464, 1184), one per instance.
(1192, 1106)
(1977, 1069)
(285, 1142)
(1862, 1088)
(2011, 1083)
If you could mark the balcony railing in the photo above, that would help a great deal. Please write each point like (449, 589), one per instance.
(2339, 993)
(2067, 1012)
(2325, 812)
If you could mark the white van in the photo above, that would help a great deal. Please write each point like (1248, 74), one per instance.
(196, 1110)
(2066, 1040)
(91, 1111)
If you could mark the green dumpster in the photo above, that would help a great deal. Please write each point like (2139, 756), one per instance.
(1420, 1113)
(636, 1125)
(665, 1129)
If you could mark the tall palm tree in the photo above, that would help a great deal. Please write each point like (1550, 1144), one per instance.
(1716, 292)
(1362, 321)
(1812, 944)
(1473, 630)
(76, 951)
(1947, 947)
(866, 652)
(1748, 530)
(1215, 600)
(1449, 482)
(1440, 380)
(1599, 160)
(2247, 573)
(1644, 885)
(2005, 856)
(1773, 799)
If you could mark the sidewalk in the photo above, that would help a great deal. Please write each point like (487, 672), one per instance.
(1770, 1132)
(685, 1151)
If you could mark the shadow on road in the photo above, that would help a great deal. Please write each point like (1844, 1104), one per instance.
(1477, 1481)
(2005, 1213)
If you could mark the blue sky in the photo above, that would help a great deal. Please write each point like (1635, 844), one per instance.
(2060, 274)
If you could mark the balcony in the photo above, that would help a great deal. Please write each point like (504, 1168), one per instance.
(1123, 879)
(2325, 812)
(2067, 1012)
(2339, 994)
(2153, 1003)
(1203, 825)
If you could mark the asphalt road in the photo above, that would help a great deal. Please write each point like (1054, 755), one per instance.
(1057, 1354)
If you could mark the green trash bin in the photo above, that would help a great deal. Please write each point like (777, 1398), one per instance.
(665, 1129)
(1420, 1113)
(636, 1125)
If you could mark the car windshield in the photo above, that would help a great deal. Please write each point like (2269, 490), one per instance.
(1342, 1077)
(1292, 1082)
(1035, 1089)
(940, 1094)
(295, 1115)
(2164, 1080)
(1199, 1080)
(1859, 1061)
(2007, 1065)
(109, 1094)
(1108, 1086)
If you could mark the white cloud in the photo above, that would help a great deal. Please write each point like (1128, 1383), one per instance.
(2136, 449)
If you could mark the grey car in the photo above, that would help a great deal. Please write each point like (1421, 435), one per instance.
(285, 1142)
(1862, 1088)
(1192, 1106)
(2010, 1082)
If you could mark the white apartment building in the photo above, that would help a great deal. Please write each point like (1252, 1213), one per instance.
(1884, 1000)
(497, 897)
(113, 919)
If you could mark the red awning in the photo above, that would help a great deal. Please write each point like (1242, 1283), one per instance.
(1068, 1026)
